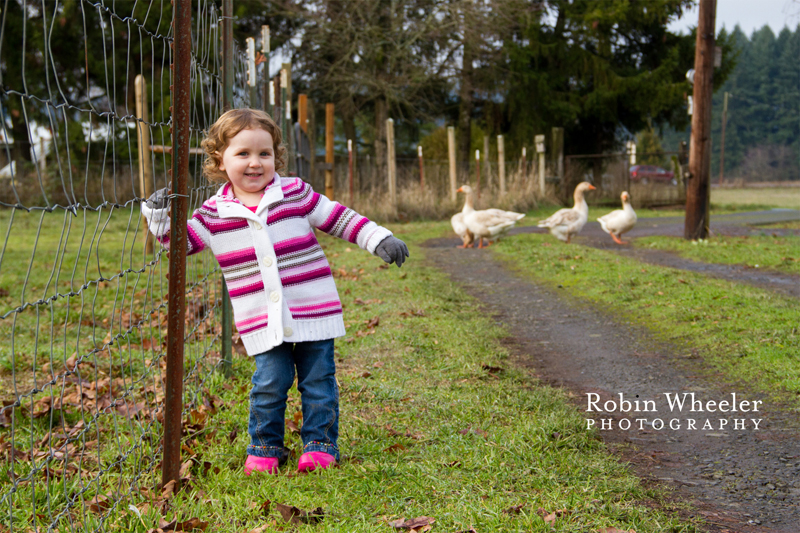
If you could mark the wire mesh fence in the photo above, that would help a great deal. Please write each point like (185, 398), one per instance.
(83, 303)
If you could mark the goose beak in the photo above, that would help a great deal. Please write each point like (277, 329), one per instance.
(460, 189)
(592, 187)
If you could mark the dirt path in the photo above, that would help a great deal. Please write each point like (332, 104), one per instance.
(737, 479)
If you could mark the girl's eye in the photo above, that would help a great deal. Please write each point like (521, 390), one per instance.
(265, 154)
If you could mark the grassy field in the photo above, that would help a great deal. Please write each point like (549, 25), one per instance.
(435, 422)
(777, 253)
(84, 319)
(786, 197)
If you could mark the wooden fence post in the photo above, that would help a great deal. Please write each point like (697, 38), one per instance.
(251, 71)
(557, 159)
(421, 169)
(524, 165)
(350, 167)
(265, 97)
(391, 163)
(501, 164)
(539, 140)
(478, 171)
(329, 151)
(451, 155)
(302, 112)
(487, 168)
(143, 142)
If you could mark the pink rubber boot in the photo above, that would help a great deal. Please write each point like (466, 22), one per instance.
(311, 460)
(260, 464)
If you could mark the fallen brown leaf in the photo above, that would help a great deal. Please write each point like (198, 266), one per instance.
(549, 518)
(419, 524)
(99, 503)
(191, 525)
(491, 369)
(395, 448)
(514, 509)
(293, 515)
(169, 489)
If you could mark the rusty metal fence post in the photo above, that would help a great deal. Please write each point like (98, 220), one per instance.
(227, 103)
(181, 132)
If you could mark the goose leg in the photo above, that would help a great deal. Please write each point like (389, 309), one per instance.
(616, 239)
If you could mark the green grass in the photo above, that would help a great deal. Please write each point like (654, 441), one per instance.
(79, 289)
(764, 251)
(756, 197)
(425, 428)
(739, 330)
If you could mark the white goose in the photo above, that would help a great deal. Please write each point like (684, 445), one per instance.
(489, 224)
(461, 229)
(565, 223)
(619, 221)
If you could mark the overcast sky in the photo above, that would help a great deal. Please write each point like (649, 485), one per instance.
(749, 14)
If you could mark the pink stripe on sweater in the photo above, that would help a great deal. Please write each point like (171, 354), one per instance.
(244, 282)
(247, 289)
(333, 218)
(317, 307)
(249, 321)
(295, 245)
(307, 276)
(317, 264)
(237, 257)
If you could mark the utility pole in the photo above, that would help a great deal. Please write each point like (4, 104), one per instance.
(697, 188)
(722, 141)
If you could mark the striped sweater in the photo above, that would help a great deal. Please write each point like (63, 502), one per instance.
(279, 280)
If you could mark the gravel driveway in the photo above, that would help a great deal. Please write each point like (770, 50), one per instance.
(737, 478)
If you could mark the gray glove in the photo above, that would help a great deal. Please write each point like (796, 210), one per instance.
(392, 250)
(159, 199)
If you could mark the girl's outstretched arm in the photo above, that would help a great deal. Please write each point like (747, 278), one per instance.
(156, 211)
(335, 219)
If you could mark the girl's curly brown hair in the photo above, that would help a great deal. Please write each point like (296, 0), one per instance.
(227, 127)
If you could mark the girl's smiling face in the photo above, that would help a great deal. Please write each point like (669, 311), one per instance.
(249, 162)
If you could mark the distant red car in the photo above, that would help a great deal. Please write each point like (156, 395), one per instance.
(648, 173)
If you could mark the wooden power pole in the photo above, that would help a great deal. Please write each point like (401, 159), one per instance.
(697, 187)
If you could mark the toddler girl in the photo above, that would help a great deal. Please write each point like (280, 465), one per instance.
(259, 226)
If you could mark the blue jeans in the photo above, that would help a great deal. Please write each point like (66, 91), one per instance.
(319, 394)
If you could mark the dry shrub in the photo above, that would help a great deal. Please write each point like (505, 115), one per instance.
(435, 203)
